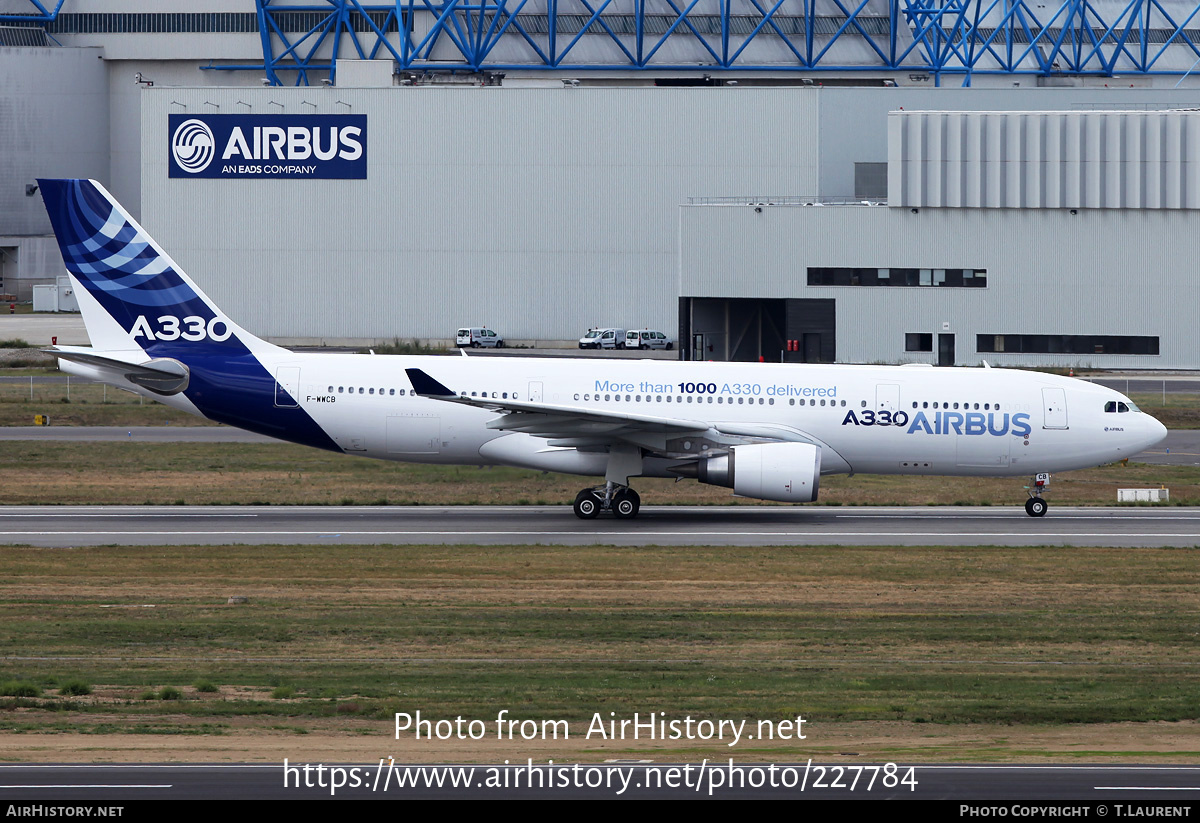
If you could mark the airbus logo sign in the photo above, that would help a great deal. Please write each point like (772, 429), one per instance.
(270, 146)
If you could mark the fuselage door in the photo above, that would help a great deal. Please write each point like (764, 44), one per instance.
(287, 387)
(1054, 403)
(887, 397)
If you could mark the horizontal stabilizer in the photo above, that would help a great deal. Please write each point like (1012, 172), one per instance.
(161, 375)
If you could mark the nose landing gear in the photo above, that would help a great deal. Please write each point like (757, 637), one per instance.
(622, 501)
(1035, 506)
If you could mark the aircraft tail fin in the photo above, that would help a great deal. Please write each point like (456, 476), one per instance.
(131, 293)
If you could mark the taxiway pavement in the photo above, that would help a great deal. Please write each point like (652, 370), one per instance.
(65, 526)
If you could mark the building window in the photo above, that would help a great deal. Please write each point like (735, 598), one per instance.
(870, 181)
(1065, 344)
(932, 278)
(918, 342)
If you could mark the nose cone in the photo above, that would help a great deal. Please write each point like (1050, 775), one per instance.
(1155, 432)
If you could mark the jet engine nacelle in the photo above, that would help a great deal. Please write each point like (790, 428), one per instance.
(788, 472)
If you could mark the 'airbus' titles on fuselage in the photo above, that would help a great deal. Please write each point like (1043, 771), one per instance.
(945, 422)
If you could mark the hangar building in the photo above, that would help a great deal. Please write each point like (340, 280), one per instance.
(807, 183)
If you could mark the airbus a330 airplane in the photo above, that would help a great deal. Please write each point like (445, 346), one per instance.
(766, 431)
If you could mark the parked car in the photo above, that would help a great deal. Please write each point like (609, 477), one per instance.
(647, 339)
(603, 339)
(477, 336)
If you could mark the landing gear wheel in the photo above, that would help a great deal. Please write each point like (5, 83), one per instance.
(1035, 507)
(586, 505)
(626, 504)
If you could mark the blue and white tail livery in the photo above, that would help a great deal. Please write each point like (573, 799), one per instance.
(767, 431)
(141, 310)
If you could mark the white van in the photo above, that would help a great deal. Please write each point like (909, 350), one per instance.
(476, 337)
(603, 339)
(647, 339)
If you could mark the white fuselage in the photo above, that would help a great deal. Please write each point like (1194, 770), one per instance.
(876, 419)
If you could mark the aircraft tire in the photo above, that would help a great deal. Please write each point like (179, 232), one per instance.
(626, 504)
(1035, 507)
(586, 505)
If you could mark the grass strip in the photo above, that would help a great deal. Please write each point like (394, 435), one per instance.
(38, 472)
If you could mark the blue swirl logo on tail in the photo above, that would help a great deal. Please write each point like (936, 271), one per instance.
(162, 312)
(113, 257)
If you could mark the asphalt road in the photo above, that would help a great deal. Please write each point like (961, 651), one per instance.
(1180, 448)
(1147, 384)
(40, 329)
(556, 525)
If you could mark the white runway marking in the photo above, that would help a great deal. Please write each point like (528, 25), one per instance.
(132, 514)
(644, 534)
(93, 786)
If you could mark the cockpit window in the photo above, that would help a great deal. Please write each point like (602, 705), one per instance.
(1110, 407)
(1132, 407)
(1122, 408)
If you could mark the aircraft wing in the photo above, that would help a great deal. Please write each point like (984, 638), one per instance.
(590, 428)
(557, 420)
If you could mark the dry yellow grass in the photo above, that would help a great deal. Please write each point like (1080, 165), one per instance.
(917, 654)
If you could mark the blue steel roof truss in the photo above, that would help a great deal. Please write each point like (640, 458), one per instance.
(40, 14)
(945, 38)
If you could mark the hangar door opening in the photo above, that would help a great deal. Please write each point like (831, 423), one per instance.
(753, 329)
(8, 269)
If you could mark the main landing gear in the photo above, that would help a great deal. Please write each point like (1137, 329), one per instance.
(622, 501)
(1035, 506)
